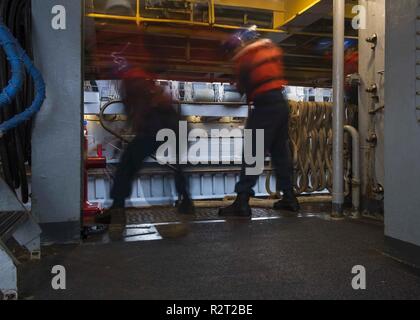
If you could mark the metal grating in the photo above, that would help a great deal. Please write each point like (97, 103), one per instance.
(9, 221)
(169, 215)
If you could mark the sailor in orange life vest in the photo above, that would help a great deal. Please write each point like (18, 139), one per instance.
(149, 109)
(259, 69)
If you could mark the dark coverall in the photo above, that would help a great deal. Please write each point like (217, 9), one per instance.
(260, 75)
(271, 113)
(147, 120)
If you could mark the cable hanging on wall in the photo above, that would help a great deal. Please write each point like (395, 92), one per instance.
(18, 101)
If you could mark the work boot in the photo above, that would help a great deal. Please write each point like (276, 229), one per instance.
(289, 202)
(105, 218)
(118, 222)
(116, 219)
(186, 207)
(240, 208)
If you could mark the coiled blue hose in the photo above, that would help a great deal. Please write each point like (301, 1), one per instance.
(16, 82)
(17, 56)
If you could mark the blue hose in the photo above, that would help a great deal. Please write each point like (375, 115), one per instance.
(16, 82)
(18, 55)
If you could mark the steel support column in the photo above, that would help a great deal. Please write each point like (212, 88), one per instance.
(57, 135)
(338, 109)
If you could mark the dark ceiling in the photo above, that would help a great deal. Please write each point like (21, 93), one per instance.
(193, 53)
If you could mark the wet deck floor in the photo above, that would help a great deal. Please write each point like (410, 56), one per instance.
(274, 256)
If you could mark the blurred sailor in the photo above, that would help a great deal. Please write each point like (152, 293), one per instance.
(149, 109)
(259, 71)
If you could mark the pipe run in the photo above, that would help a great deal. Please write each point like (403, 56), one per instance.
(355, 170)
(338, 109)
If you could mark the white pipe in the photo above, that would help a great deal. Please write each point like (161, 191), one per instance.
(355, 169)
(338, 109)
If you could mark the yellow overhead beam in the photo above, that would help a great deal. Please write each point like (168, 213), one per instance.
(276, 6)
(284, 11)
(272, 5)
(349, 13)
(294, 8)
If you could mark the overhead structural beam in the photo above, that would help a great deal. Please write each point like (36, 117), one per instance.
(283, 13)
(164, 29)
(293, 9)
(338, 108)
(272, 5)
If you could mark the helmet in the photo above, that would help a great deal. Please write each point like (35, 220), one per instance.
(250, 34)
(241, 38)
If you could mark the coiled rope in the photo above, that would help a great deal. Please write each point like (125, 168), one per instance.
(311, 146)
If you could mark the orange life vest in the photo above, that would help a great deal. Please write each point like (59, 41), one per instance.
(259, 68)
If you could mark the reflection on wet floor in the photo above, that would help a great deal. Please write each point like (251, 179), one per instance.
(134, 233)
(158, 223)
(170, 230)
(164, 223)
(168, 214)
